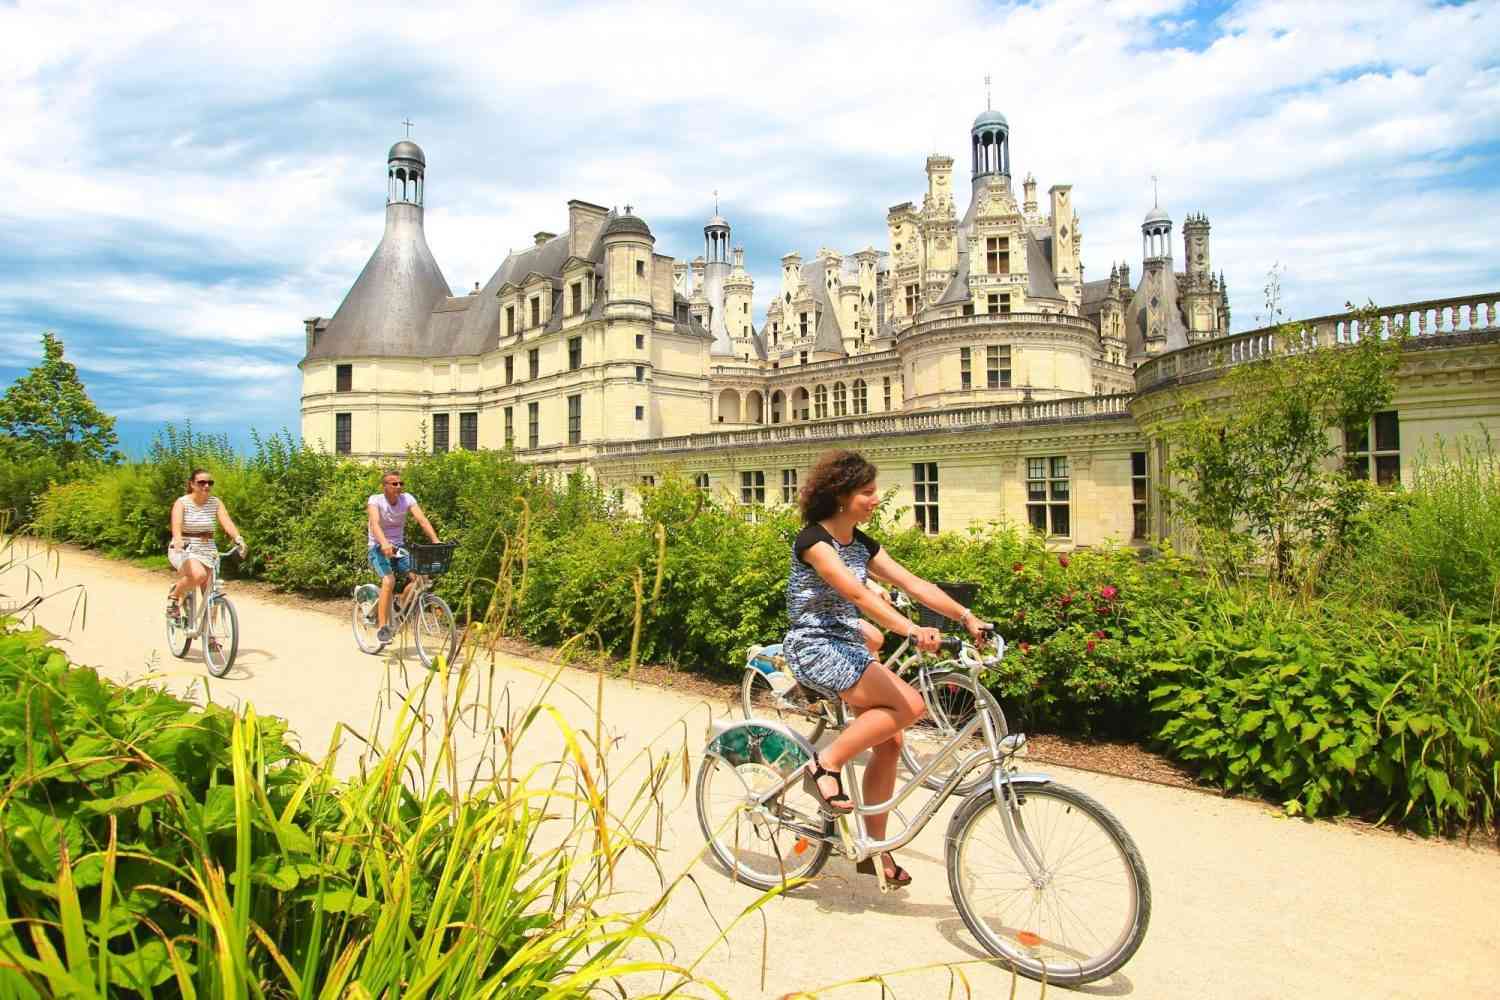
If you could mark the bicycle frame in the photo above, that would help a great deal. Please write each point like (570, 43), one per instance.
(209, 590)
(859, 846)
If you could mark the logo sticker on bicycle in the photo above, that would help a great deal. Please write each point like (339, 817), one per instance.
(754, 743)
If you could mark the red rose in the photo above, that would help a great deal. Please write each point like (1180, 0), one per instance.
(1065, 600)
(1109, 593)
(1100, 634)
(1091, 645)
(1062, 560)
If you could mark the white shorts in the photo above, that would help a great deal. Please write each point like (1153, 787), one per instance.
(207, 556)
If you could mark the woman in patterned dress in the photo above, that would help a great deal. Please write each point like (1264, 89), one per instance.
(828, 644)
(192, 549)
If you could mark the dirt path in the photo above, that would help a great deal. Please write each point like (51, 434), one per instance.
(1247, 904)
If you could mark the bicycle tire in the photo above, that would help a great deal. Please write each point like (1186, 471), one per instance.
(220, 645)
(179, 636)
(366, 636)
(759, 700)
(729, 846)
(436, 630)
(1021, 950)
(943, 719)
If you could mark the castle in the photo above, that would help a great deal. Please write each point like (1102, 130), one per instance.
(971, 359)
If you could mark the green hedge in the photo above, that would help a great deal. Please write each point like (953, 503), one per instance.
(1090, 633)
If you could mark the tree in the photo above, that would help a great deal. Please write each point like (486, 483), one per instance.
(47, 410)
(1256, 470)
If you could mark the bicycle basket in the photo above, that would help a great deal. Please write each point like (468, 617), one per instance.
(430, 560)
(963, 593)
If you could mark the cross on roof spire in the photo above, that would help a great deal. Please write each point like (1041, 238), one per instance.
(1155, 193)
(716, 201)
(408, 123)
(986, 92)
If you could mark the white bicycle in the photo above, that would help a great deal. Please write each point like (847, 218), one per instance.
(435, 627)
(211, 619)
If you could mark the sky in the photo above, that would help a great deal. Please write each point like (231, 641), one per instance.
(187, 182)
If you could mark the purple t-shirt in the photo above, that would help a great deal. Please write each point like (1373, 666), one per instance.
(392, 517)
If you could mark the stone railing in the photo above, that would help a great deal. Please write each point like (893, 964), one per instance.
(1077, 323)
(796, 372)
(1426, 322)
(972, 418)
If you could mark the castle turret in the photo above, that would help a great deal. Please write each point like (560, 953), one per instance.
(386, 311)
(989, 141)
(715, 274)
(1200, 297)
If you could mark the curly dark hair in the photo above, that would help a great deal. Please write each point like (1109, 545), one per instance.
(835, 475)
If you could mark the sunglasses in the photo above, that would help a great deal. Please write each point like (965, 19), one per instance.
(203, 482)
(396, 483)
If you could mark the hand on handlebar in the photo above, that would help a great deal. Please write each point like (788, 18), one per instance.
(978, 630)
(928, 640)
(388, 549)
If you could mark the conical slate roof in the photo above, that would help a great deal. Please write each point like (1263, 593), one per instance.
(386, 312)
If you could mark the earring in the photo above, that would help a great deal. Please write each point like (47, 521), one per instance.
(841, 508)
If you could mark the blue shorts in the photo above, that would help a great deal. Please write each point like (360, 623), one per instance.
(382, 565)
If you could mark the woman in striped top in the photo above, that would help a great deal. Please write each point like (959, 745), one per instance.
(192, 550)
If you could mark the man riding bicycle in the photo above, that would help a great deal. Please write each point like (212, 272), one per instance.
(387, 532)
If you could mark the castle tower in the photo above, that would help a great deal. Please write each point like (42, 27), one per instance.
(628, 249)
(739, 289)
(1028, 206)
(715, 274)
(1158, 281)
(1065, 244)
(385, 313)
(1200, 297)
(939, 228)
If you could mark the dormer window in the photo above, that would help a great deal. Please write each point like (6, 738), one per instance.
(510, 320)
(536, 311)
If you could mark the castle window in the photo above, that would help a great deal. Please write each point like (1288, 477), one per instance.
(913, 299)
(439, 433)
(344, 378)
(993, 304)
(924, 489)
(998, 364)
(640, 342)
(533, 424)
(1048, 495)
(997, 255)
(640, 373)
(802, 357)
(820, 402)
(640, 413)
(468, 431)
(700, 480)
(789, 486)
(534, 361)
(886, 388)
(968, 308)
(840, 400)
(536, 311)
(577, 291)
(1005, 305)
(965, 368)
(648, 480)
(640, 269)
(753, 487)
(1384, 460)
(510, 427)
(575, 353)
(343, 433)
(510, 320)
(510, 369)
(1140, 487)
(803, 318)
(861, 397)
(575, 419)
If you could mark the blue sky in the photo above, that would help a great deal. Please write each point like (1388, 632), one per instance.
(188, 182)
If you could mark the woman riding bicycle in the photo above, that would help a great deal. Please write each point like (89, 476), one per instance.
(192, 549)
(828, 644)
(387, 512)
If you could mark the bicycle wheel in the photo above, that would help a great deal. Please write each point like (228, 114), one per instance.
(1089, 913)
(753, 843)
(435, 630)
(221, 636)
(792, 707)
(366, 626)
(952, 699)
(180, 630)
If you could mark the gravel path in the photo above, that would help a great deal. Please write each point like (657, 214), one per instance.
(1247, 904)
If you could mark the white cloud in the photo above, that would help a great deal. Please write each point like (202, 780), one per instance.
(204, 178)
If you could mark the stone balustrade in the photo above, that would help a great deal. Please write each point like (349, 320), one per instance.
(1425, 322)
(972, 418)
(1077, 323)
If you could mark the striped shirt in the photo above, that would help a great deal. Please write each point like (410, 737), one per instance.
(198, 520)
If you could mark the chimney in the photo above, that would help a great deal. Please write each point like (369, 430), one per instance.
(585, 221)
(543, 237)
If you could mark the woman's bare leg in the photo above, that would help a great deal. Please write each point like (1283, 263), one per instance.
(874, 638)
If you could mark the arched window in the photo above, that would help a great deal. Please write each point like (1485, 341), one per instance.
(840, 400)
(861, 397)
(820, 402)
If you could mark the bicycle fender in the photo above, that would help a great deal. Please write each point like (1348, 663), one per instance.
(761, 742)
(1023, 779)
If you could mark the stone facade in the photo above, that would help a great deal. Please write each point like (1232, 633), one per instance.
(970, 360)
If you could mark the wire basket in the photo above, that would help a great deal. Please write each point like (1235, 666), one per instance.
(431, 560)
(963, 593)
